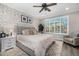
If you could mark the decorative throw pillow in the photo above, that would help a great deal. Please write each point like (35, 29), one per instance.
(29, 31)
(25, 32)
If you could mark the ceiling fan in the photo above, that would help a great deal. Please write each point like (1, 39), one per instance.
(45, 6)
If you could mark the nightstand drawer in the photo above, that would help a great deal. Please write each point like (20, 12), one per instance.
(7, 43)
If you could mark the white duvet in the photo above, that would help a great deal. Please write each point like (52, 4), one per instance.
(38, 43)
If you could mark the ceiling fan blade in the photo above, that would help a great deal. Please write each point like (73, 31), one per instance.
(51, 4)
(37, 6)
(48, 9)
(41, 10)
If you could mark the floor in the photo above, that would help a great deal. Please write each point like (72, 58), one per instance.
(57, 49)
(63, 49)
(69, 50)
(14, 52)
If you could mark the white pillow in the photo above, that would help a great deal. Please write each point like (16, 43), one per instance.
(25, 32)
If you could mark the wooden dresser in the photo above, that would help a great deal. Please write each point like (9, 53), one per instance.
(7, 43)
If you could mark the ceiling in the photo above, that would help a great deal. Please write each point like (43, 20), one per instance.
(59, 9)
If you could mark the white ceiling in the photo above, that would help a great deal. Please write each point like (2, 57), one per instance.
(56, 10)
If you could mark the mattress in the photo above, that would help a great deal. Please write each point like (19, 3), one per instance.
(35, 44)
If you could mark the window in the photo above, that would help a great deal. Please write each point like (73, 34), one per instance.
(59, 25)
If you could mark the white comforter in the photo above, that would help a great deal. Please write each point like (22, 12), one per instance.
(38, 43)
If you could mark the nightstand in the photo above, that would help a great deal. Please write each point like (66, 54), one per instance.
(7, 43)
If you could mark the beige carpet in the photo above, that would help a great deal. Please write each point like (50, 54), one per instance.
(55, 49)
(14, 52)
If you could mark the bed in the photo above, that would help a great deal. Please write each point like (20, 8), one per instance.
(35, 45)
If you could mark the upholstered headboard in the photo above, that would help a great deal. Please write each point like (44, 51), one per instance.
(26, 30)
(29, 31)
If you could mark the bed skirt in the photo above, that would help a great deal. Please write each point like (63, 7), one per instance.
(29, 51)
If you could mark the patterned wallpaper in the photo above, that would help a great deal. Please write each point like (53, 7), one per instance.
(9, 17)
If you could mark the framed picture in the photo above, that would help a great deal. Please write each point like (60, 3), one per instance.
(26, 19)
(23, 18)
(29, 20)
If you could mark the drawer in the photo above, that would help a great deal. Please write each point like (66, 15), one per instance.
(7, 43)
(9, 46)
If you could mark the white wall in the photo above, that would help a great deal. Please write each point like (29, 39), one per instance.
(74, 22)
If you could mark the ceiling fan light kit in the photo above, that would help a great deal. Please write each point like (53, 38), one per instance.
(45, 6)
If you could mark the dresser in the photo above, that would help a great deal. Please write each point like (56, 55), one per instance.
(7, 43)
